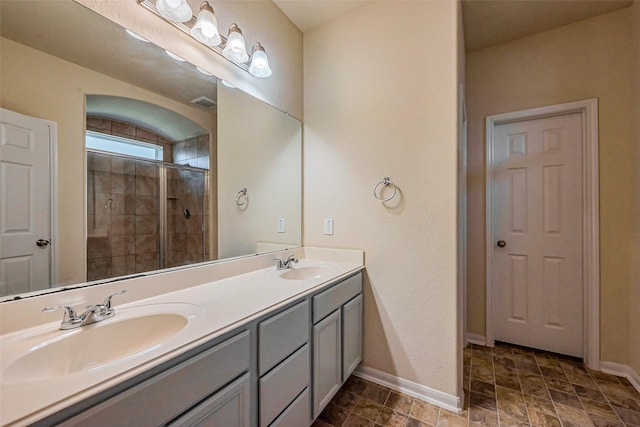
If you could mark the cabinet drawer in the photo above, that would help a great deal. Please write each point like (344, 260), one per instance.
(168, 394)
(230, 407)
(329, 300)
(281, 335)
(280, 386)
(297, 414)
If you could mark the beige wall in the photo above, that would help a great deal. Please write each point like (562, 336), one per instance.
(260, 21)
(634, 324)
(377, 106)
(588, 59)
(263, 155)
(41, 85)
(461, 224)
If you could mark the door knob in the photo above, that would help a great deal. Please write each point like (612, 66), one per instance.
(42, 243)
(501, 243)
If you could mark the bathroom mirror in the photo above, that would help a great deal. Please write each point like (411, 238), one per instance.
(64, 63)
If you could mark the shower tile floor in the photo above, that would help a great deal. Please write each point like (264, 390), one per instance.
(504, 386)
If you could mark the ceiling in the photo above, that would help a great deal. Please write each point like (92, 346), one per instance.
(309, 14)
(486, 22)
(491, 22)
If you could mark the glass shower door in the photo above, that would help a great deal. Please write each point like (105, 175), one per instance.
(185, 232)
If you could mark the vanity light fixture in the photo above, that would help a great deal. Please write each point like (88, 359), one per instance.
(174, 56)
(206, 28)
(235, 49)
(259, 62)
(175, 10)
(137, 36)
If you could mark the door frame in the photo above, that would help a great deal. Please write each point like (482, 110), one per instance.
(588, 109)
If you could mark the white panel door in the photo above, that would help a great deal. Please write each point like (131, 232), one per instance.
(537, 223)
(25, 203)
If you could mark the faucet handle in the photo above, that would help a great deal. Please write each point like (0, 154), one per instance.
(107, 302)
(69, 315)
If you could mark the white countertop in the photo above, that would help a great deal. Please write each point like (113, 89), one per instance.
(212, 309)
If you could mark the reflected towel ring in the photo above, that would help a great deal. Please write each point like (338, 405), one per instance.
(384, 183)
(242, 198)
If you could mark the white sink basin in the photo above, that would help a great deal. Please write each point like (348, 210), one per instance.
(306, 270)
(131, 333)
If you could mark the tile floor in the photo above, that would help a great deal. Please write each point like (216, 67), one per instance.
(504, 386)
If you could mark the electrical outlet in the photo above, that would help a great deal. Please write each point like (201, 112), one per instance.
(281, 225)
(328, 226)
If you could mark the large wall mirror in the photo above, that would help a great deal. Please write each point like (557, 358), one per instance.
(154, 163)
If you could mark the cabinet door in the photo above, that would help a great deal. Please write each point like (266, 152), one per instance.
(351, 336)
(230, 407)
(327, 356)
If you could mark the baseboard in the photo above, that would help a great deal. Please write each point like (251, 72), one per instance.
(476, 339)
(444, 400)
(621, 370)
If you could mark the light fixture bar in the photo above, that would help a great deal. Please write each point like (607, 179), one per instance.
(185, 27)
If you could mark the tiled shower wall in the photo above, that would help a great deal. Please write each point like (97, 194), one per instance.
(192, 151)
(122, 216)
(123, 205)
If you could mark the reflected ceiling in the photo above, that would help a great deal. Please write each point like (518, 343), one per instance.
(64, 29)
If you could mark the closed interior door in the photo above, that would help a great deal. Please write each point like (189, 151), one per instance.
(537, 223)
(25, 203)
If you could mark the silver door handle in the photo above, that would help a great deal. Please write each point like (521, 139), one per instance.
(501, 243)
(42, 243)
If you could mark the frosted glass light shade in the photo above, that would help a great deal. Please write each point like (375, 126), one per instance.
(175, 10)
(206, 28)
(235, 49)
(259, 63)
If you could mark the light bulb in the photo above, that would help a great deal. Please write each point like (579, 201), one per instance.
(175, 10)
(206, 28)
(235, 49)
(259, 62)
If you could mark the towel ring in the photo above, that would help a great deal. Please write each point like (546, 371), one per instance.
(242, 198)
(384, 183)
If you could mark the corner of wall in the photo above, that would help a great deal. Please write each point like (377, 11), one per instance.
(634, 329)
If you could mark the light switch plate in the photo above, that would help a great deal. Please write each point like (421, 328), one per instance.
(281, 225)
(328, 226)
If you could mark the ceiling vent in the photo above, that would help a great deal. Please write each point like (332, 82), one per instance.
(204, 102)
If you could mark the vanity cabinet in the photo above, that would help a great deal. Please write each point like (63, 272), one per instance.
(164, 397)
(337, 338)
(278, 370)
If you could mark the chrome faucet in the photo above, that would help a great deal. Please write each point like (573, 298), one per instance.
(283, 264)
(95, 313)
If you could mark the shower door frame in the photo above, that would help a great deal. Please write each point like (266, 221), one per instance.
(162, 206)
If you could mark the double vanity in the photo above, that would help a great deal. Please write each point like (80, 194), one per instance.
(235, 343)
